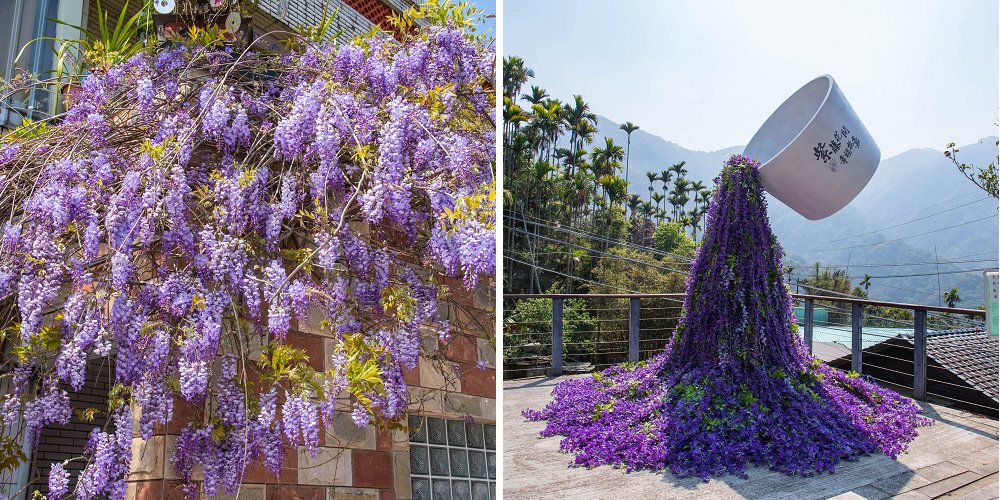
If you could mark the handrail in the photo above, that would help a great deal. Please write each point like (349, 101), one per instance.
(593, 295)
(803, 296)
(900, 305)
(919, 337)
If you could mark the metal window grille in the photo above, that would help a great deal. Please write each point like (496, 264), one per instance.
(452, 459)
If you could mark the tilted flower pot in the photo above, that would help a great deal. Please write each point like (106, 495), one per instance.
(815, 154)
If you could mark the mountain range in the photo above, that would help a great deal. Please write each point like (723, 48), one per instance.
(917, 217)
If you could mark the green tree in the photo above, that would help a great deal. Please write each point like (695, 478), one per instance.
(678, 168)
(628, 127)
(983, 177)
(679, 196)
(530, 322)
(515, 74)
(581, 124)
(665, 177)
(830, 283)
(537, 96)
(705, 195)
(670, 237)
(629, 269)
(657, 197)
(951, 297)
(652, 178)
(633, 204)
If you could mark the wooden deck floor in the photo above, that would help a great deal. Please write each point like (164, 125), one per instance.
(957, 457)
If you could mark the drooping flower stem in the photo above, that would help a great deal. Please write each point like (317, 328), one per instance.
(734, 386)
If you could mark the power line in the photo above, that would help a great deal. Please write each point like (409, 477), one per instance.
(903, 238)
(672, 270)
(595, 237)
(922, 292)
(610, 255)
(902, 223)
(907, 264)
(558, 227)
(585, 280)
(928, 207)
(923, 274)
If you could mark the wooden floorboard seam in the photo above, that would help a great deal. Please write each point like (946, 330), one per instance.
(955, 457)
(971, 487)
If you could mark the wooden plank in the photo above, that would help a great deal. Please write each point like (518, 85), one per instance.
(535, 468)
(985, 484)
(948, 485)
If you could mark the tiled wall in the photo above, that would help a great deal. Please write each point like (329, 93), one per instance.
(351, 462)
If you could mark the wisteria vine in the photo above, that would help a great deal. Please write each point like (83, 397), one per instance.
(735, 385)
(197, 202)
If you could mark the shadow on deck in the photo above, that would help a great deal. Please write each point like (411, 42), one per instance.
(955, 457)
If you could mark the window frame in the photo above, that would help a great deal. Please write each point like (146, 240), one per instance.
(430, 476)
(39, 59)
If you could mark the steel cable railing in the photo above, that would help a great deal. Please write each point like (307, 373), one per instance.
(596, 331)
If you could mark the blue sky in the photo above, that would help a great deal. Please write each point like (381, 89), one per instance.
(706, 74)
(490, 6)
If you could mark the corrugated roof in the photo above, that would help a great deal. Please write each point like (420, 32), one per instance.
(970, 353)
(296, 13)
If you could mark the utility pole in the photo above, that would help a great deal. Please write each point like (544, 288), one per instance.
(937, 265)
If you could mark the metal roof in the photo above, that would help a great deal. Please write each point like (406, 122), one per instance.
(969, 353)
(296, 13)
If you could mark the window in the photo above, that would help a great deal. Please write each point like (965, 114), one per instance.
(20, 22)
(452, 459)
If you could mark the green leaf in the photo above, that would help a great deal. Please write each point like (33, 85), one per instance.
(11, 454)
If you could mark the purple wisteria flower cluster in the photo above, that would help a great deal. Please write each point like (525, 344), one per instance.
(197, 203)
(735, 385)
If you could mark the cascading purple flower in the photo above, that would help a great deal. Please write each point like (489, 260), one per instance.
(735, 385)
(58, 481)
(204, 211)
(50, 407)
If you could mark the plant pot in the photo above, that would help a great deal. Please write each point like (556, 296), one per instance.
(815, 154)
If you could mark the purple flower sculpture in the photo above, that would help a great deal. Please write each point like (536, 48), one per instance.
(735, 385)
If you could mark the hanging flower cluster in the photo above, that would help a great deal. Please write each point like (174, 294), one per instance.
(735, 385)
(196, 203)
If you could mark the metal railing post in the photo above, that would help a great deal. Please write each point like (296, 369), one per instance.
(808, 333)
(557, 337)
(856, 337)
(633, 330)
(920, 355)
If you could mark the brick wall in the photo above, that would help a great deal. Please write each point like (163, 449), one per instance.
(355, 463)
(62, 442)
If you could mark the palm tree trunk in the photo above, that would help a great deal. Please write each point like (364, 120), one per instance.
(628, 152)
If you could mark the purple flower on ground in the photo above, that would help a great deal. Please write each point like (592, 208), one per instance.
(734, 385)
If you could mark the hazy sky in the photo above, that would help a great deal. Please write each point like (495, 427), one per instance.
(706, 74)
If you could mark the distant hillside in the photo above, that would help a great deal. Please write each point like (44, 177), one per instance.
(915, 184)
(652, 153)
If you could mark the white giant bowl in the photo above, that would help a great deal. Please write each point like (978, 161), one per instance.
(815, 153)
